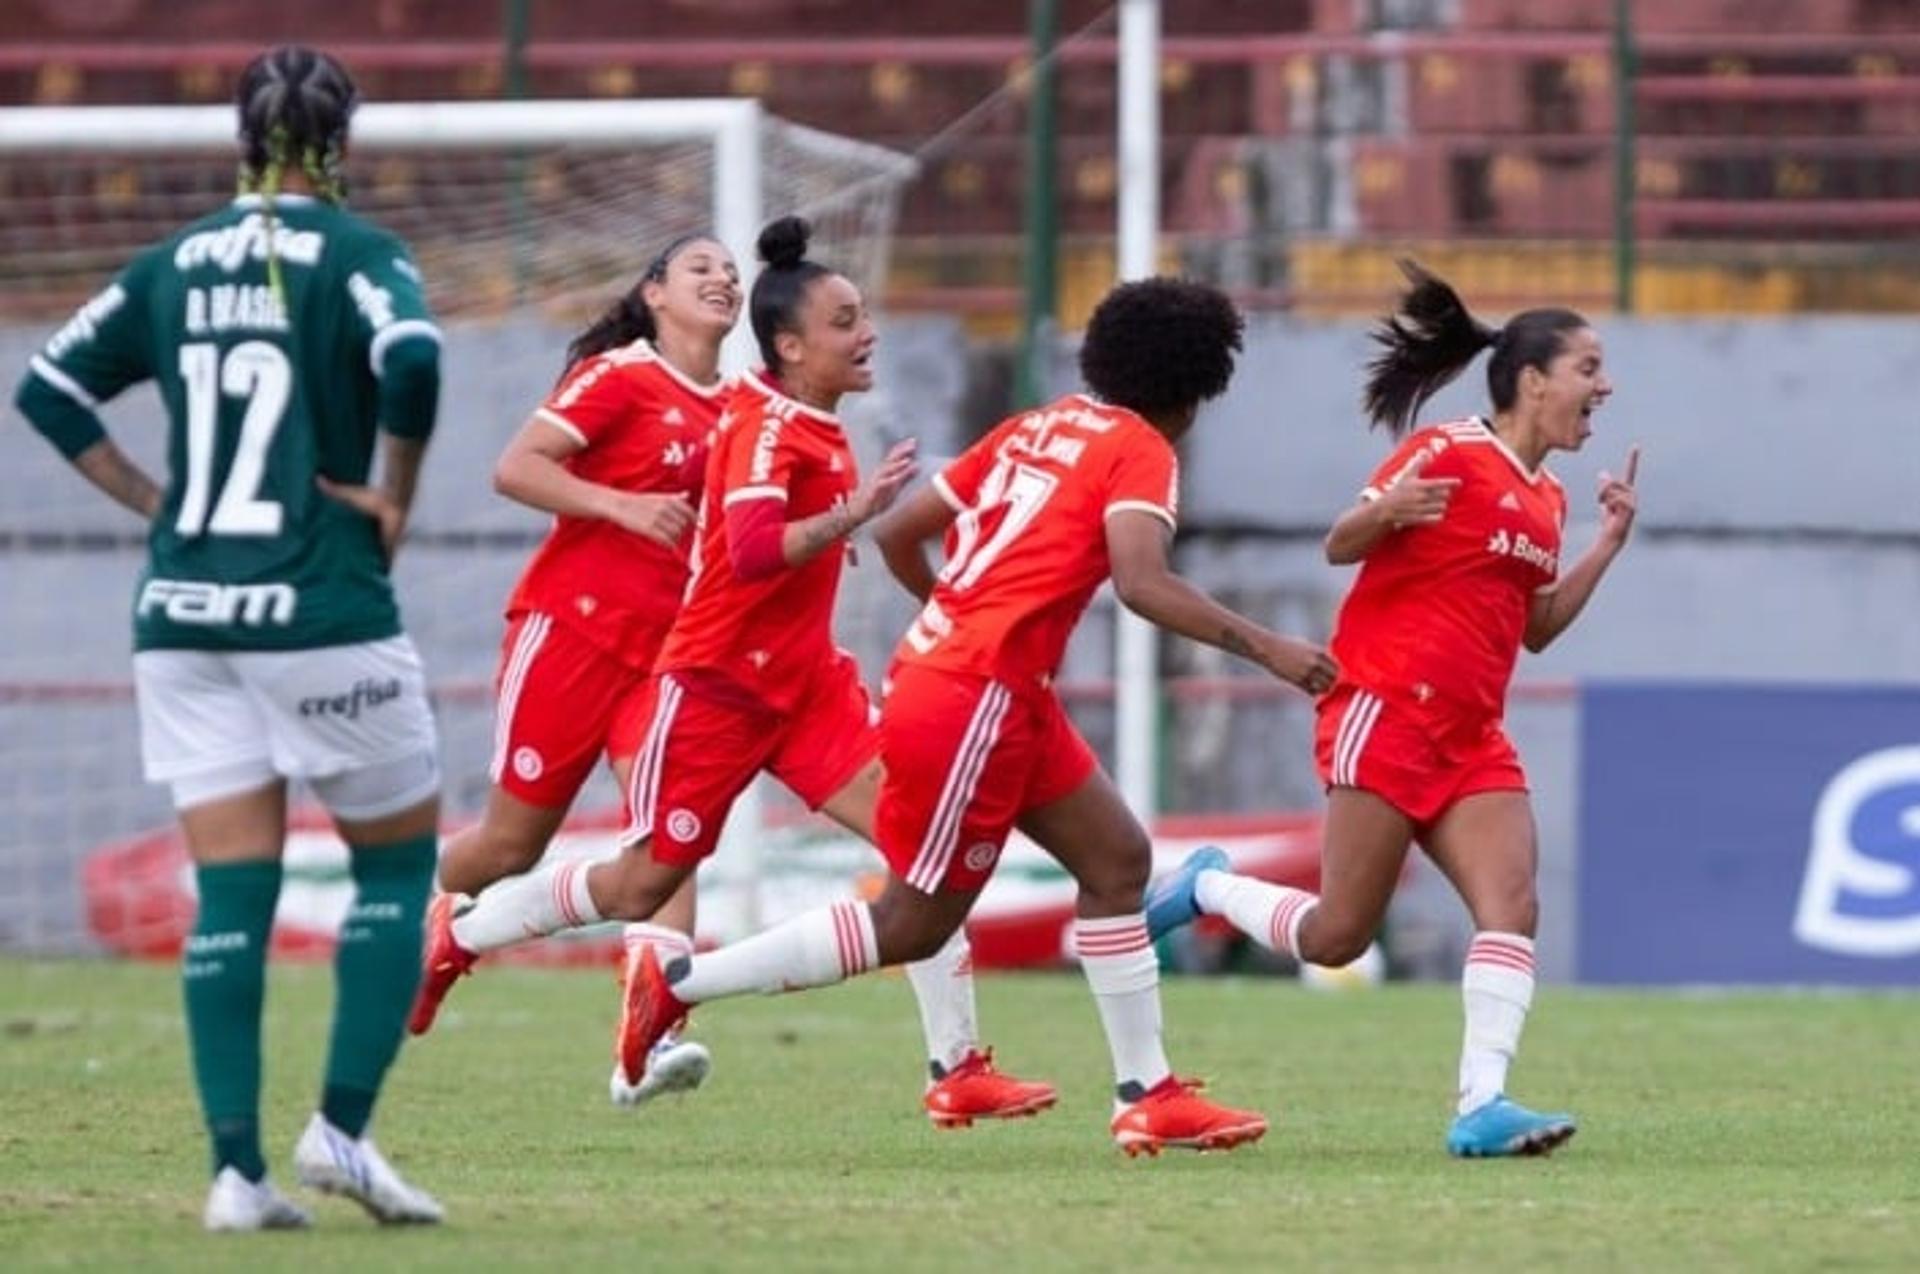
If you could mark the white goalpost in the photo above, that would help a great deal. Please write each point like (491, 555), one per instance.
(526, 218)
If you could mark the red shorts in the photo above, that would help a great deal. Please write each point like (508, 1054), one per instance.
(702, 748)
(965, 757)
(1364, 741)
(559, 698)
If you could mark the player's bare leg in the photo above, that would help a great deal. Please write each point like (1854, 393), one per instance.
(510, 838)
(1364, 848)
(1486, 844)
(1097, 838)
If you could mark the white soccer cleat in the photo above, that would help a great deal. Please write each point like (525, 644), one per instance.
(236, 1203)
(328, 1160)
(673, 1066)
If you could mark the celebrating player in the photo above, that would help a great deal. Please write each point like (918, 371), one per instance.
(749, 677)
(282, 330)
(1458, 533)
(1037, 515)
(615, 453)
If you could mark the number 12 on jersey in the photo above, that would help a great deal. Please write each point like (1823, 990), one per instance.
(1015, 493)
(259, 374)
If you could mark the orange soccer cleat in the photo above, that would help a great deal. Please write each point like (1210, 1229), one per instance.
(973, 1089)
(446, 963)
(1173, 1113)
(648, 1010)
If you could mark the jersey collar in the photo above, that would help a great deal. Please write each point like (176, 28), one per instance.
(647, 348)
(757, 378)
(1532, 476)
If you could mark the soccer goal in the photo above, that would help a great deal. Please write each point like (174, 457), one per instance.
(526, 219)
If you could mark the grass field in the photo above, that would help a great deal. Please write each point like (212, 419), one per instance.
(1740, 1132)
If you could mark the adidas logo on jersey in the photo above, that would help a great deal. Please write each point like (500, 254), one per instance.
(1510, 502)
(1500, 544)
(673, 416)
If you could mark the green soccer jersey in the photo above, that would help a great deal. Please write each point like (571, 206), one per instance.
(264, 389)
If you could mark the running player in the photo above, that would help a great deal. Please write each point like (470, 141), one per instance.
(1037, 515)
(281, 330)
(749, 677)
(1459, 536)
(615, 453)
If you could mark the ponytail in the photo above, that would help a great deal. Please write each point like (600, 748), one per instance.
(624, 322)
(1428, 342)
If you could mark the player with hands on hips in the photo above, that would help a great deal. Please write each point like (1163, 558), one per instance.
(290, 340)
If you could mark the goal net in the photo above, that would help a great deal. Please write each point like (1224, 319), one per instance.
(526, 219)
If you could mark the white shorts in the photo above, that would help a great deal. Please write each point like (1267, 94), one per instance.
(300, 714)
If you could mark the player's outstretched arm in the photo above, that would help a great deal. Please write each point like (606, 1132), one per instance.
(903, 536)
(1556, 607)
(1144, 579)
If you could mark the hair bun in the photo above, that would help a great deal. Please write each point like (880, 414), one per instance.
(783, 244)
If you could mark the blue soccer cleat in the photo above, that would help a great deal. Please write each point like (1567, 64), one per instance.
(1170, 901)
(1503, 1127)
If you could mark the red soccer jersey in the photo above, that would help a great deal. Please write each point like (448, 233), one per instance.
(764, 636)
(640, 421)
(1436, 616)
(1028, 546)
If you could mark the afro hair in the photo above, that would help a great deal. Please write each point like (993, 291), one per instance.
(1161, 345)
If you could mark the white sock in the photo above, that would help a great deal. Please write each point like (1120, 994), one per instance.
(1269, 914)
(551, 897)
(668, 944)
(824, 946)
(1496, 987)
(1118, 959)
(943, 985)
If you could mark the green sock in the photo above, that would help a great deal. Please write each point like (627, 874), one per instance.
(377, 970)
(223, 973)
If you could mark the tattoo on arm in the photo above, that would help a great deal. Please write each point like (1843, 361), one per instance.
(812, 536)
(1233, 643)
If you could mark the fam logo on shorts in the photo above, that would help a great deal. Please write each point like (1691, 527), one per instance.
(528, 764)
(980, 855)
(683, 825)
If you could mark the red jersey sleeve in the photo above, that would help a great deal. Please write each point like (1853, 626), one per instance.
(1428, 443)
(761, 465)
(592, 398)
(959, 483)
(1145, 477)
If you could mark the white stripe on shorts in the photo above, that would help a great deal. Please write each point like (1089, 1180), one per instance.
(1351, 739)
(936, 849)
(643, 792)
(533, 633)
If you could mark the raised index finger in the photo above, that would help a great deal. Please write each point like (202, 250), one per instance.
(1633, 464)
